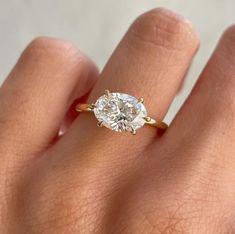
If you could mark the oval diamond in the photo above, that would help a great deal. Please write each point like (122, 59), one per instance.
(120, 112)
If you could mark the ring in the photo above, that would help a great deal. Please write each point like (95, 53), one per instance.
(120, 112)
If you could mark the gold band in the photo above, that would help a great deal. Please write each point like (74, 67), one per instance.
(148, 120)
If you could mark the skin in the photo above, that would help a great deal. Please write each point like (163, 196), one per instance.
(93, 180)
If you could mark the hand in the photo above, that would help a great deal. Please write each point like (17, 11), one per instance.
(93, 180)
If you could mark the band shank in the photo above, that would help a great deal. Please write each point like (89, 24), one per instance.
(150, 121)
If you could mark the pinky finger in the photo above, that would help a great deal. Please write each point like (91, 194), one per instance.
(35, 97)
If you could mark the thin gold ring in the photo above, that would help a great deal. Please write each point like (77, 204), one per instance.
(120, 112)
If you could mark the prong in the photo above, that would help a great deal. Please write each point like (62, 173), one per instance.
(133, 131)
(93, 106)
(140, 100)
(147, 119)
(107, 92)
(100, 124)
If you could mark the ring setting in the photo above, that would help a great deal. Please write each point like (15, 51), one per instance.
(120, 112)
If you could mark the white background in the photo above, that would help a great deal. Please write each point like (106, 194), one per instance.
(96, 26)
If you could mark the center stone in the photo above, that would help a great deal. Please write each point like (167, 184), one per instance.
(120, 112)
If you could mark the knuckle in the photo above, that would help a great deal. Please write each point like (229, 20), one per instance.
(227, 41)
(46, 48)
(230, 32)
(165, 29)
(50, 43)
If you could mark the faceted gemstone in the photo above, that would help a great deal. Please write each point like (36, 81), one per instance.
(120, 112)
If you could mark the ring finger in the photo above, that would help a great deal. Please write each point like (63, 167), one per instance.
(150, 62)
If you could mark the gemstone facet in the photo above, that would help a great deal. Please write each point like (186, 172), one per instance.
(120, 112)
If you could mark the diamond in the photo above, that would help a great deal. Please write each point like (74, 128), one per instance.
(120, 112)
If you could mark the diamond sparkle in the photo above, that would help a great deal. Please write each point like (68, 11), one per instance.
(120, 112)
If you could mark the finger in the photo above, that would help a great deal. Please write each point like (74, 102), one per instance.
(150, 62)
(199, 146)
(71, 114)
(47, 78)
(208, 115)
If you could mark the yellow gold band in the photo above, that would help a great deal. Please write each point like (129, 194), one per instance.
(148, 120)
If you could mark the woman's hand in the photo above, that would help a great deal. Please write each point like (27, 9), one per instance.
(93, 180)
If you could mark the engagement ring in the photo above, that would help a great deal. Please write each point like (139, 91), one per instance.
(120, 112)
